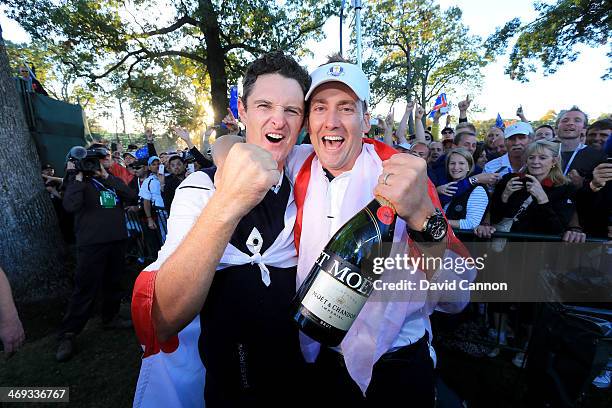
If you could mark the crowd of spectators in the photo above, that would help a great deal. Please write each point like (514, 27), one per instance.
(551, 181)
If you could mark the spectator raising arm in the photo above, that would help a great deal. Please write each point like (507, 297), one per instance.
(403, 126)
(199, 157)
(435, 126)
(388, 125)
(419, 129)
(231, 123)
(121, 172)
(183, 133)
(150, 146)
(11, 330)
(521, 115)
(463, 108)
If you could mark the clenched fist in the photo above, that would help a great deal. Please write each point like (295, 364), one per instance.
(249, 172)
(404, 183)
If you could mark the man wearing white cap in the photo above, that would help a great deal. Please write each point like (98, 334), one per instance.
(516, 138)
(386, 350)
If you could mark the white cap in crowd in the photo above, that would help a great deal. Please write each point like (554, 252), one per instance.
(519, 128)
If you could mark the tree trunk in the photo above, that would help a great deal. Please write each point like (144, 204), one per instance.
(424, 103)
(121, 114)
(215, 60)
(30, 243)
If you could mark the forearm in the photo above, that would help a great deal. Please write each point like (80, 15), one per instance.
(403, 125)
(463, 116)
(388, 137)
(147, 208)
(52, 178)
(151, 149)
(183, 281)
(435, 131)
(200, 158)
(419, 130)
(7, 306)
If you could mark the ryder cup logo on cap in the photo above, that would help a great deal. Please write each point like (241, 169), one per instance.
(335, 70)
(348, 74)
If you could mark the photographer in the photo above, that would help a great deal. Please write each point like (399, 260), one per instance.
(96, 199)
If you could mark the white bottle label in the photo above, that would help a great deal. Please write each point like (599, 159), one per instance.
(337, 294)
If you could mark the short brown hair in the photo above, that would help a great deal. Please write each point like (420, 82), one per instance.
(275, 62)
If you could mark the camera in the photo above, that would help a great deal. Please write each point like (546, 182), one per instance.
(87, 160)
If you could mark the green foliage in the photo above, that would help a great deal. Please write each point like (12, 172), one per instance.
(46, 59)
(35, 55)
(136, 44)
(551, 39)
(605, 116)
(418, 50)
(549, 117)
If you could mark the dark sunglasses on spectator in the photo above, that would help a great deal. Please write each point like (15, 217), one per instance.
(137, 167)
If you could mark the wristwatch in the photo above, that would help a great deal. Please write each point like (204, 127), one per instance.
(434, 228)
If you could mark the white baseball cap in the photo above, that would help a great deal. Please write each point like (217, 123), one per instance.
(349, 74)
(519, 128)
(406, 146)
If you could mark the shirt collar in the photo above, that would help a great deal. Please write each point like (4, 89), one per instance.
(277, 187)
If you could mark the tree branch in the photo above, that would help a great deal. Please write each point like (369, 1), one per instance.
(93, 77)
(179, 23)
(246, 47)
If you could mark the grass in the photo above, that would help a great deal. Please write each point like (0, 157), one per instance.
(102, 373)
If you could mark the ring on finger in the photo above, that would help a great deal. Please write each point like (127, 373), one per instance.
(385, 177)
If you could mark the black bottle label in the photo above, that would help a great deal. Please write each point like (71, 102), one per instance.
(338, 292)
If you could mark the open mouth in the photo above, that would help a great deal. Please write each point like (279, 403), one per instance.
(274, 137)
(332, 142)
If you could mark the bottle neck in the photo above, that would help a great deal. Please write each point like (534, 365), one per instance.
(385, 203)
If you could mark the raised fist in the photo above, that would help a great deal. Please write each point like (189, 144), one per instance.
(249, 172)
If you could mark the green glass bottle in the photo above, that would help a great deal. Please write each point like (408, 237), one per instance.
(341, 280)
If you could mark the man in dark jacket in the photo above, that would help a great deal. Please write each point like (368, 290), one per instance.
(176, 165)
(97, 202)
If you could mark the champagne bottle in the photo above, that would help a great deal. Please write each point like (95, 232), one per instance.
(341, 280)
